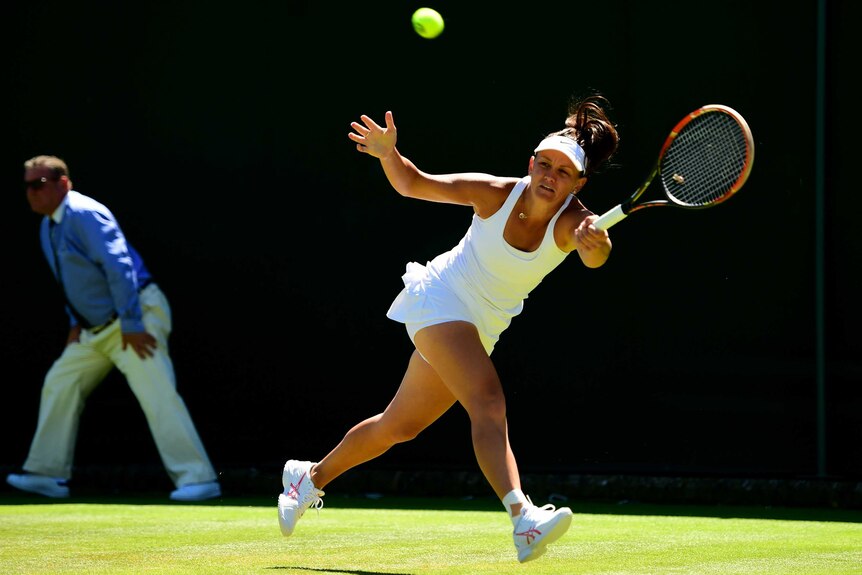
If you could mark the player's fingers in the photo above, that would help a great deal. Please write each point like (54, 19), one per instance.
(369, 122)
(587, 236)
(359, 128)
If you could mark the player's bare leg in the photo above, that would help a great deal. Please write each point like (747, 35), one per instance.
(457, 355)
(460, 360)
(420, 401)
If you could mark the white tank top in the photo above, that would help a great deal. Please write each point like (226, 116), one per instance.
(489, 275)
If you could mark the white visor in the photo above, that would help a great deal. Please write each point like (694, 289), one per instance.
(567, 146)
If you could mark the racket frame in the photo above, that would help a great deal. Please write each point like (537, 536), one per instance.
(622, 210)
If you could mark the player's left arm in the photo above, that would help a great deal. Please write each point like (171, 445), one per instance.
(482, 191)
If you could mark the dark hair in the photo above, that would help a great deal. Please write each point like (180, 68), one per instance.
(588, 124)
(57, 166)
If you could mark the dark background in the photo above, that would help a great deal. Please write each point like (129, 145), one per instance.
(217, 134)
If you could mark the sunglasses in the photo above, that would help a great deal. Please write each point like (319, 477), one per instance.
(38, 183)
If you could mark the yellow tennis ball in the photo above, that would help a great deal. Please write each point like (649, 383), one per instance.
(427, 22)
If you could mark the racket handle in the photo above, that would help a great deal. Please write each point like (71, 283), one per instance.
(610, 217)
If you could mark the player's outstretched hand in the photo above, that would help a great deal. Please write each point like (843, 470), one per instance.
(373, 139)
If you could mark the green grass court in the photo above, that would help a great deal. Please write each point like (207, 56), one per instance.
(410, 536)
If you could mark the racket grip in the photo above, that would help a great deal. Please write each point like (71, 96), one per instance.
(610, 217)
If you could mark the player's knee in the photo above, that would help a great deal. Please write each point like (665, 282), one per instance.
(491, 406)
(405, 433)
(401, 432)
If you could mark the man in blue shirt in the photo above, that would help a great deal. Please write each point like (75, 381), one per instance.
(119, 318)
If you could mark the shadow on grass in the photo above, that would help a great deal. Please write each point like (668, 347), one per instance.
(348, 571)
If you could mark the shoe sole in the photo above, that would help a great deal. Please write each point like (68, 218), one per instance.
(287, 526)
(557, 531)
(291, 468)
(53, 493)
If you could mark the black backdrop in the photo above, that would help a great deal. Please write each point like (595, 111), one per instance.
(217, 133)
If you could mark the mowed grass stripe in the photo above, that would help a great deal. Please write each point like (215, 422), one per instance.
(119, 538)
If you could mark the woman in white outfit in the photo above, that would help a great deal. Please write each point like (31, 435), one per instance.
(456, 306)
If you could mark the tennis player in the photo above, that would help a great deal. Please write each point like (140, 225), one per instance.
(456, 306)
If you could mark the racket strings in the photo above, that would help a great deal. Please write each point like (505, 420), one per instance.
(705, 160)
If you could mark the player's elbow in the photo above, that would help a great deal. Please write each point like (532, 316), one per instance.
(594, 264)
(597, 257)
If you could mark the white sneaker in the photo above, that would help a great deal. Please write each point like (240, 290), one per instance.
(299, 494)
(197, 491)
(42, 484)
(537, 527)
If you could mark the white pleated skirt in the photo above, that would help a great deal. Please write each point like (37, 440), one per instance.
(425, 301)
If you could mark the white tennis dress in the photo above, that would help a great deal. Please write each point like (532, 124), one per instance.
(482, 280)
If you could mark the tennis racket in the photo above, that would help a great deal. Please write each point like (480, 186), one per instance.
(705, 160)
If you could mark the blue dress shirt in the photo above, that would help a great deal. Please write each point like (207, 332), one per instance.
(99, 271)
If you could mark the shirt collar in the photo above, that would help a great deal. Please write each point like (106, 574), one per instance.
(57, 215)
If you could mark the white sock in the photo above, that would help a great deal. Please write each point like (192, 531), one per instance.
(511, 498)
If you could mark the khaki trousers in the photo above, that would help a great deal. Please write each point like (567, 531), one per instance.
(83, 365)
